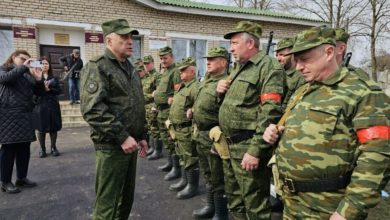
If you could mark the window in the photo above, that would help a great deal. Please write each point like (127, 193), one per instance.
(6, 47)
(137, 53)
(183, 48)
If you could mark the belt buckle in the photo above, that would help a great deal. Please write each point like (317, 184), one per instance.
(290, 184)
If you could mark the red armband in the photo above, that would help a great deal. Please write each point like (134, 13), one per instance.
(276, 97)
(375, 132)
(177, 86)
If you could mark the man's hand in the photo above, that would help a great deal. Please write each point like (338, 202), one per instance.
(223, 86)
(189, 113)
(250, 162)
(336, 216)
(170, 100)
(143, 148)
(272, 132)
(47, 86)
(129, 145)
(66, 68)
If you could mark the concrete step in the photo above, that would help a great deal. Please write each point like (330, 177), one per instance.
(70, 111)
(72, 118)
(74, 124)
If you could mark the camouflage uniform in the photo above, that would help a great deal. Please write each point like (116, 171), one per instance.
(294, 78)
(336, 136)
(169, 81)
(205, 115)
(252, 102)
(112, 104)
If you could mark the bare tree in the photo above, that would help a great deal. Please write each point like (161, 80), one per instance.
(239, 3)
(261, 4)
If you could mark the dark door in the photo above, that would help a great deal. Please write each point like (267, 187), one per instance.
(54, 53)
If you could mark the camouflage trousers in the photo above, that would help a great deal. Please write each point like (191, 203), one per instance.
(151, 118)
(114, 184)
(247, 191)
(163, 130)
(210, 165)
(310, 205)
(186, 148)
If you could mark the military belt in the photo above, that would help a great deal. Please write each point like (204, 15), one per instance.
(182, 125)
(323, 185)
(206, 127)
(163, 106)
(242, 136)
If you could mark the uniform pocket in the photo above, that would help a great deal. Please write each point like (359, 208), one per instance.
(322, 121)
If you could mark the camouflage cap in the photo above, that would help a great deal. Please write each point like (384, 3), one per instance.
(341, 35)
(118, 26)
(312, 38)
(217, 52)
(165, 50)
(140, 68)
(285, 43)
(138, 61)
(148, 59)
(189, 61)
(249, 27)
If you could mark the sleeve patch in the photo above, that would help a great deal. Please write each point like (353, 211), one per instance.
(375, 132)
(92, 87)
(276, 97)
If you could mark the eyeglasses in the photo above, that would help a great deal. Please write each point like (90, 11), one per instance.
(22, 58)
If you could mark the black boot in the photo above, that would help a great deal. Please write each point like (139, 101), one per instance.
(192, 187)
(151, 145)
(41, 139)
(157, 153)
(175, 171)
(176, 187)
(53, 140)
(168, 166)
(221, 210)
(208, 210)
(9, 188)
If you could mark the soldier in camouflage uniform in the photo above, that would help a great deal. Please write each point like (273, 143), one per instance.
(163, 96)
(151, 112)
(205, 114)
(186, 148)
(333, 156)
(112, 104)
(293, 78)
(341, 47)
(253, 96)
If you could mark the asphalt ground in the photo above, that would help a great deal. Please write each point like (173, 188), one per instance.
(65, 188)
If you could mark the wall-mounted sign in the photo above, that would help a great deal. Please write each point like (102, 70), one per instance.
(61, 39)
(156, 43)
(22, 32)
(94, 38)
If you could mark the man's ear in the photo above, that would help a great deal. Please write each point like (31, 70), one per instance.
(330, 52)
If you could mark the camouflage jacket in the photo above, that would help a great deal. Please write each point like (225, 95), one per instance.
(182, 101)
(112, 101)
(206, 106)
(169, 82)
(321, 141)
(148, 85)
(242, 109)
(294, 80)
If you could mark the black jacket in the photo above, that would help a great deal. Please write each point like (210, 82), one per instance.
(69, 61)
(17, 87)
(47, 113)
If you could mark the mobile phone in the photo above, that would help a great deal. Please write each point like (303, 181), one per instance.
(36, 64)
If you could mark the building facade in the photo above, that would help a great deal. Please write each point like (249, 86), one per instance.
(54, 27)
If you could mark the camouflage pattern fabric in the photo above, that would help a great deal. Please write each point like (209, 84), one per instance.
(243, 110)
(312, 38)
(285, 43)
(320, 141)
(106, 86)
(153, 123)
(249, 27)
(205, 114)
(294, 80)
(182, 101)
(165, 89)
(148, 85)
(341, 35)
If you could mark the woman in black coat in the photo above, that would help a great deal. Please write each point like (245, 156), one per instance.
(47, 113)
(18, 82)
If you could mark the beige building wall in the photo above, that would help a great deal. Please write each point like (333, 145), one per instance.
(154, 22)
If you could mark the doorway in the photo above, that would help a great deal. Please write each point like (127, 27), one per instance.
(54, 53)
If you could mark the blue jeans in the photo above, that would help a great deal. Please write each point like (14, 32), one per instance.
(74, 89)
